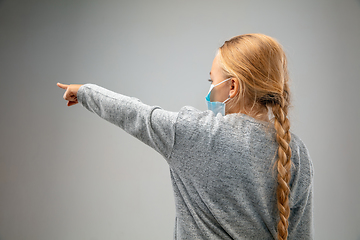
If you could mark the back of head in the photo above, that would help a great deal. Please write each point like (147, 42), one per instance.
(259, 64)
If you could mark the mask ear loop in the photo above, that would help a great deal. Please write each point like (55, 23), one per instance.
(222, 81)
(227, 99)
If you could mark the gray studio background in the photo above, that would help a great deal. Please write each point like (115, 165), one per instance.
(67, 174)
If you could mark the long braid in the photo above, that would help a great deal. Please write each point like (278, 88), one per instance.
(259, 64)
(283, 164)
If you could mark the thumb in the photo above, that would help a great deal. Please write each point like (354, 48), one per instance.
(63, 86)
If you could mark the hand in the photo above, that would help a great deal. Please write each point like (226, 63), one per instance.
(71, 92)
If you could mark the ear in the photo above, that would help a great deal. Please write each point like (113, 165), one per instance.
(234, 87)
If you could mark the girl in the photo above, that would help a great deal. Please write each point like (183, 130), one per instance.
(237, 170)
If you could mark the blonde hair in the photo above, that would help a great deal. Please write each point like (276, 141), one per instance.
(259, 64)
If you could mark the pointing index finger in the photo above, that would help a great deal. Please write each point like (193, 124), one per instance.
(63, 86)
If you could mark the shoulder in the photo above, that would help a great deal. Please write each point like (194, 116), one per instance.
(300, 153)
(204, 121)
(190, 117)
(189, 113)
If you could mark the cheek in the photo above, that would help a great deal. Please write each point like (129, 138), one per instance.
(219, 94)
(213, 95)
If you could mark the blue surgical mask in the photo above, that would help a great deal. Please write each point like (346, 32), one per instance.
(216, 107)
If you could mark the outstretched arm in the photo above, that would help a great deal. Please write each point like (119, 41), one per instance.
(152, 125)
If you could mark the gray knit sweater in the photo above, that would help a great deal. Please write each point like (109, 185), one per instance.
(221, 167)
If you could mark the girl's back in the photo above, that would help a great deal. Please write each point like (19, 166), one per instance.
(225, 182)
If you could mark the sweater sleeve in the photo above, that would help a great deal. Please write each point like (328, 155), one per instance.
(301, 216)
(152, 125)
(302, 219)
